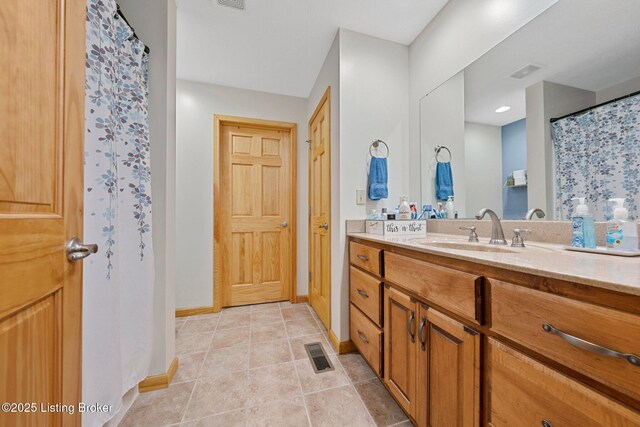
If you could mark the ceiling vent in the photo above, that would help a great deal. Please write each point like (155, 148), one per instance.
(525, 71)
(237, 4)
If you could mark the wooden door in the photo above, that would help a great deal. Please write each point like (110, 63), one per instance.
(256, 211)
(448, 372)
(400, 347)
(320, 210)
(41, 184)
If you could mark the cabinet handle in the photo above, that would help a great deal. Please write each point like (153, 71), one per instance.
(423, 343)
(546, 423)
(410, 326)
(363, 293)
(362, 337)
(589, 346)
(363, 258)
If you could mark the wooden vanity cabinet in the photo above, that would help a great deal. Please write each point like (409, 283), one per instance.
(400, 347)
(466, 345)
(448, 387)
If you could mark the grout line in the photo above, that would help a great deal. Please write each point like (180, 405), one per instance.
(363, 404)
(304, 401)
(186, 407)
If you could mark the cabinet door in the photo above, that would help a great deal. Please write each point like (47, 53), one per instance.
(448, 391)
(400, 327)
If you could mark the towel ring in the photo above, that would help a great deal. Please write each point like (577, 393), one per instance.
(376, 144)
(439, 148)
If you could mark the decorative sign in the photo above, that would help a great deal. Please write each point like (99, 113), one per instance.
(397, 227)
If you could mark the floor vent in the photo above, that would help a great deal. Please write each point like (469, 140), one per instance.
(319, 359)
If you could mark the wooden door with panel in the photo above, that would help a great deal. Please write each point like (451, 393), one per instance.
(400, 347)
(41, 196)
(448, 391)
(320, 210)
(256, 211)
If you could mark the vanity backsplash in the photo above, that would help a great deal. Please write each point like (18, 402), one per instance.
(558, 232)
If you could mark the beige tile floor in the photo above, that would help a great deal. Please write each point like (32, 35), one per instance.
(247, 366)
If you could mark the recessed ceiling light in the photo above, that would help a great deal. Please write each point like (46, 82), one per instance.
(503, 109)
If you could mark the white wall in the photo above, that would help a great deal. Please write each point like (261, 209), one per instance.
(616, 91)
(483, 167)
(546, 100)
(463, 31)
(374, 101)
(442, 123)
(197, 103)
(155, 23)
(329, 76)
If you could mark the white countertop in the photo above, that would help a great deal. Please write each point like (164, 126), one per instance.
(615, 273)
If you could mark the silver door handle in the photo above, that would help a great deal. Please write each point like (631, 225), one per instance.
(363, 293)
(410, 326)
(284, 224)
(77, 251)
(362, 337)
(589, 346)
(325, 226)
(363, 258)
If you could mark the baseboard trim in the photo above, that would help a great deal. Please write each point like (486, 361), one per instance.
(183, 312)
(341, 347)
(301, 298)
(156, 382)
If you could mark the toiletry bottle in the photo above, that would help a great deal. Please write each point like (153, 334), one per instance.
(450, 208)
(583, 227)
(622, 234)
(405, 209)
(384, 214)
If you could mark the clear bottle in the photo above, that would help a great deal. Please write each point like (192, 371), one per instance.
(405, 209)
(450, 208)
(583, 227)
(622, 234)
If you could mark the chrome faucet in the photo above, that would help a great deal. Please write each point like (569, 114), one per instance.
(497, 234)
(537, 211)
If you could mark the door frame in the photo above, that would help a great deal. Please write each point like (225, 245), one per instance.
(219, 121)
(326, 97)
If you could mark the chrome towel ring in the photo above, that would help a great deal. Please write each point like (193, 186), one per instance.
(439, 148)
(376, 144)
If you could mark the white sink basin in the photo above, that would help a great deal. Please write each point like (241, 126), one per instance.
(475, 247)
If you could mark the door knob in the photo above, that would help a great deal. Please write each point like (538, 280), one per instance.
(76, 250)
(284, 224)
(325, 226)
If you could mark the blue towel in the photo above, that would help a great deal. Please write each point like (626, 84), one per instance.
(378, 179)
(444, 180)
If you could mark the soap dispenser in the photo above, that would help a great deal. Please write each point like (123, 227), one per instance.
(622, 234)
(583, 227)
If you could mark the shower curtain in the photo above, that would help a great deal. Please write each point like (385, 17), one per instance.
(597, 155)
(118, 280)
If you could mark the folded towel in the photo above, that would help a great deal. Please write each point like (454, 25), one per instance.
(444, 181)
(378, 179)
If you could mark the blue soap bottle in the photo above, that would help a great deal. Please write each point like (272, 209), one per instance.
(583, 227)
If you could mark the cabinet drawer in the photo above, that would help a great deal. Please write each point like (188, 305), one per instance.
(367, 337)
(365, 257)
(520, 313)
(526, 393)
(364, 292)
(450, 289)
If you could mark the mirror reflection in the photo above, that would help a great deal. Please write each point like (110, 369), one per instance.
(528, 126)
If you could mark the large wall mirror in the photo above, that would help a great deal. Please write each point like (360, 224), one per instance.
(497, 118)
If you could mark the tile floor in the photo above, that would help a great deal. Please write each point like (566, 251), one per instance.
(247, 366)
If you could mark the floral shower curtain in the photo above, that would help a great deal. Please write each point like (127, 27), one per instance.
(597, 155)
(118, 281)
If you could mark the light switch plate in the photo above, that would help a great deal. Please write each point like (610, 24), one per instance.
(360, 197)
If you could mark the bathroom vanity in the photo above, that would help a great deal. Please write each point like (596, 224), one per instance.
(469, 334)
